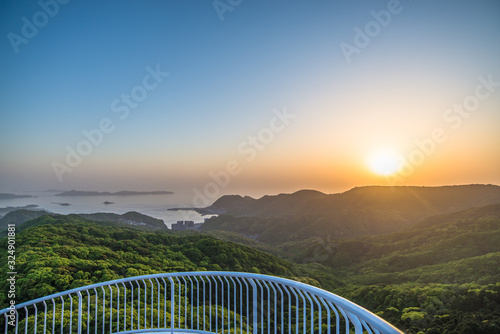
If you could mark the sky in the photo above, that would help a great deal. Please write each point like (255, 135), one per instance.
(248, 97)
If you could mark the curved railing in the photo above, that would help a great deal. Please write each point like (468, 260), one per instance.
(194, 302)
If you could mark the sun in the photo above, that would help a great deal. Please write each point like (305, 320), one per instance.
(384, 162)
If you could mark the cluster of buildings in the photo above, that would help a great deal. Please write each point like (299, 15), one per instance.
(183, 225)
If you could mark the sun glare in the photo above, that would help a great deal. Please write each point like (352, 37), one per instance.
(384, 162)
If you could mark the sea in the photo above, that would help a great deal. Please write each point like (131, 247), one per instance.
(152, 205)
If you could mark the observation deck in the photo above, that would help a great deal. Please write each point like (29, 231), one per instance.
(194, 302)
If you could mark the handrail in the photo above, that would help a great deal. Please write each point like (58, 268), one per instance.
(195, 302)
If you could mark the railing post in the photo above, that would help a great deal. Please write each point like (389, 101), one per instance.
(117, 308)
(110, 309)
(36, 316)
(358, 328)
(26, 323)
(44, 317)
(172, 309)
(79, 312)
(254, 305)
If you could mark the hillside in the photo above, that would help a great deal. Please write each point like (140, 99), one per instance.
(357, 212)
(407, 200)
(459, 247)
(132, 219)
(57, 253)
(18, 217)
(440, 275)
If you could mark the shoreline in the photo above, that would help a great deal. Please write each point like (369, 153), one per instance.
(202, 211)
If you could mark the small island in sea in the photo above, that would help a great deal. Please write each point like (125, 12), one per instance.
(61, 204)
(12, 196)
(106, 193)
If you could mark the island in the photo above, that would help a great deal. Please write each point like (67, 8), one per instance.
(106, 193)
(12, 196)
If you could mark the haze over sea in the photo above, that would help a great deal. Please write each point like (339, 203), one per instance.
(152, 205)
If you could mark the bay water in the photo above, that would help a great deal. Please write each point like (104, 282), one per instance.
(152, 205)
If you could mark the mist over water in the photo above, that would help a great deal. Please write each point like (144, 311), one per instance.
(152, 205)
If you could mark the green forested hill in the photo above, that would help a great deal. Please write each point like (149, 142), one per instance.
(441, 275)
(413, 203)
(357, 212)
(131, 219)
(489, 211)
(57, 253)
(459, 247)
(18, 217)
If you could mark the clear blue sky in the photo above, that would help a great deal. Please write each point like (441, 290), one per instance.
(225, 79)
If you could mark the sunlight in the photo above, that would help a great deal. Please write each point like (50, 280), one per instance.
(384, 162)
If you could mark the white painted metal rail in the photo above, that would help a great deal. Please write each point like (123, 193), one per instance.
(194, 302)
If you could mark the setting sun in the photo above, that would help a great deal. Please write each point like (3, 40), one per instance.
(384, 162)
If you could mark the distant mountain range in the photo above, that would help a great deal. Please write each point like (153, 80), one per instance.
(119, 193)
(360, 211)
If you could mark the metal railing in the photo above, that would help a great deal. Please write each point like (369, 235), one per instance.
(194, 302)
